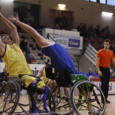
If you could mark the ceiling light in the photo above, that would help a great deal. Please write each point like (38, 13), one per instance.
(61, 6)
(108, 14)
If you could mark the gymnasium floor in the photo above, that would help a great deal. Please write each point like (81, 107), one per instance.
(110, 108)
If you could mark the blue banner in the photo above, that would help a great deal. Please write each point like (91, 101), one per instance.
(74, 43)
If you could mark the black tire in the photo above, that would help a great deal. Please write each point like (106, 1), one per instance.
(9, 97)
(87, 98)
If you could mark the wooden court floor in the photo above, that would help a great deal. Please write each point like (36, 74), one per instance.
(110, 108)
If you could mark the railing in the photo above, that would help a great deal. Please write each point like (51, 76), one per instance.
(90, 53)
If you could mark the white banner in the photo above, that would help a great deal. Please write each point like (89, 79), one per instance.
(67, 41)
(34, 67)
(111, 86)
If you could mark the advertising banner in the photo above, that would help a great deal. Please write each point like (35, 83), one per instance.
(67, 41)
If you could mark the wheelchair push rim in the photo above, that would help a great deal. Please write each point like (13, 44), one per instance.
(9, 97)
(87, 99)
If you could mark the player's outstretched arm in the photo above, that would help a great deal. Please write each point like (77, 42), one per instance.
(12, 27)
(41, 41)
(2, 47)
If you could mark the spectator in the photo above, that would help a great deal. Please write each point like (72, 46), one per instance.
(113, 75)
(107, 33)
(61, 21)
(84, 30)
(4, 31)
(96, 73)
(79, 28)
(28, 21)
(103, 32)
(81, 73)
(56, 26)
(91, 31)
(111, 72)
(24, 46)
(90, 73)
(97, 30)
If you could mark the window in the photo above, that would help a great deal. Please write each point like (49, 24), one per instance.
(93, 0)
(111, 2)
(103, 1)
(108, 2)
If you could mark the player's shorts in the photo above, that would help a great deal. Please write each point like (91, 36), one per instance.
(27, 80)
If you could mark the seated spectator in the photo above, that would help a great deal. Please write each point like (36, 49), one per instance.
(96, 73)
(113, 75)
(97, 30)
(91, 31)
(107, 33)
(111, 72)
(4, 31)
(24, 47)
(79, 27)
(90, 73)
(28, 21)
(56, 26)
(103, 32)
(81, 73)
(84, 30)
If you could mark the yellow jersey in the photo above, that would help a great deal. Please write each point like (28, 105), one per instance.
(15, 61)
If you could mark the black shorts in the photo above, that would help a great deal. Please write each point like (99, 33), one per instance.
(63, 78)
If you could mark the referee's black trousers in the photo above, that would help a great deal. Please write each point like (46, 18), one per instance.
(105, 81)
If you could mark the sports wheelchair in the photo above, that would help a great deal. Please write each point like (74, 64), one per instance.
(85, 98)
(10, 95)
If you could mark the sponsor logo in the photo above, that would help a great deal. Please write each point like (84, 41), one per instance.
(74, 43)
(35, 71)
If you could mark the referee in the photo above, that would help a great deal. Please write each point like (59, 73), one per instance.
(104, 58)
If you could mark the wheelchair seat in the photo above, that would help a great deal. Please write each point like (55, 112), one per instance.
(63, 79)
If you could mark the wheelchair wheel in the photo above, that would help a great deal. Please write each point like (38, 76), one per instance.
(40, 102)
(63, 101)
(87, 99)
(9, 97)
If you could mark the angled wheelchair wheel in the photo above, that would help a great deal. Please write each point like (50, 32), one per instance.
(63, 101)
(9, 97)
(45, 102)
(87, 99)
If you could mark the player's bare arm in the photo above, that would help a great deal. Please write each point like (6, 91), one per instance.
(2, 47)
(41, 41)
(12, 27)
